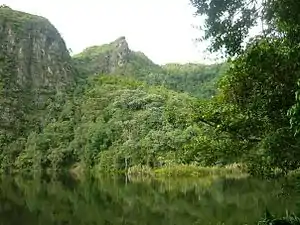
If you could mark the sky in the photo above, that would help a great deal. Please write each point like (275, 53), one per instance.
(162, 29)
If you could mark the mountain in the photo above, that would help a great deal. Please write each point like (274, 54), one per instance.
(119, 119)
(117, 58)
(35, 65)
(120, 112)
(113, 58)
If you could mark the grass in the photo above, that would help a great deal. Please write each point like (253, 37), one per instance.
(144, 172)
(185, 177)
(140, 172)
(294, 173)
(187, 171)
(196, 171)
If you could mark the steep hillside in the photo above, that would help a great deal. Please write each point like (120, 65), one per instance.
(114, 58)
(34, 66)
(118, 122)
(108, 120)
(124, 114)
(117, 58)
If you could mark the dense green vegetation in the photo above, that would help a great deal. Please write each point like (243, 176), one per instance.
(195, 79)
(289, 219)
(34, 66)
(259, 91)
(117, 122)
(122, 113)
(126, 113)
(112, 121)
(116, 58)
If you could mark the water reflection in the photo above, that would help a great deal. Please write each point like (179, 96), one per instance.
(119, 201)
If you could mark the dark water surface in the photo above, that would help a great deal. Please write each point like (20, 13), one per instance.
(120, 201)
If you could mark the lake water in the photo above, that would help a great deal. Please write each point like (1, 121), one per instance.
(117, 201)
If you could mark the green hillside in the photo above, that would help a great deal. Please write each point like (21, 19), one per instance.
(199, 80)
(116, 58)
(112, 115)
(110, 108)
(117, 122)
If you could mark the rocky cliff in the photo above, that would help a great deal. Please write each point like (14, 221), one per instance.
(34, 65)
(113, 58)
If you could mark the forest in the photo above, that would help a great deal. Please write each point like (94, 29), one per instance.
(128, 112)
(110, 110)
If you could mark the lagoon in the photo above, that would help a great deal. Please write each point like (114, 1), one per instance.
(119, 200)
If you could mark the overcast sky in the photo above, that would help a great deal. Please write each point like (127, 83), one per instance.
(162, 29)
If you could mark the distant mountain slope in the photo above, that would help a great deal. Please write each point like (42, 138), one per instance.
(197, 79)
(113, 58)
(117, 58)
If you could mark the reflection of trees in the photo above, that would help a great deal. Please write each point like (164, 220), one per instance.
(110, 201)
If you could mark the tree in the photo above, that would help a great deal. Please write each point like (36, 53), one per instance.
(228, 22)
(262, 80)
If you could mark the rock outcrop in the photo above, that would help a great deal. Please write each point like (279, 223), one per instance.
(34, 65)
(113, 58)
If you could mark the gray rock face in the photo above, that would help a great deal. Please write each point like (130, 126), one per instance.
(34, 65)
(105, 59)
(40, 56)
(113, 58)
(119, 57)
